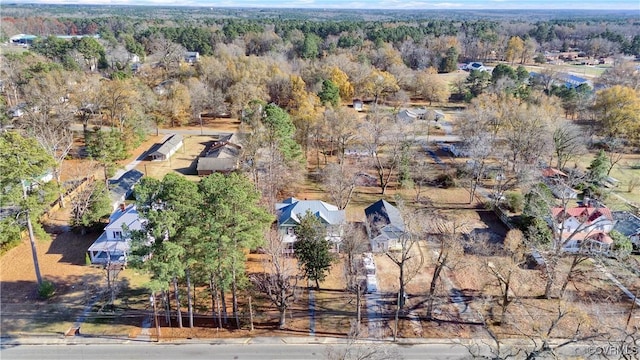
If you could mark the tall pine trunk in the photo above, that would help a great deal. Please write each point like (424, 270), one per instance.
(167, 307)
(214, 309)
(223, 305)
(234, 297)
(177, 295)
(189, 298)
(32, 238)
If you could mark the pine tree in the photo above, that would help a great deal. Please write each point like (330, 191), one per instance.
(330, 93)
(312, 248)
(22, 163)
(599, 167)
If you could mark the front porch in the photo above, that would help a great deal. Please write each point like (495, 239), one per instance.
(108, 251)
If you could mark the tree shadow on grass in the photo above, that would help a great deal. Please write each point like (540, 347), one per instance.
(72, 246)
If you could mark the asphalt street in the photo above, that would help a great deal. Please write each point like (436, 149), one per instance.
(222, 351)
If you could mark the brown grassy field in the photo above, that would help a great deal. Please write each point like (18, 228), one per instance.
(62, 260)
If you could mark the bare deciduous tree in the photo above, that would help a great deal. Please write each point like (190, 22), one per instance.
(446, 233)
(568, 142)
(48, 119)
(340, 183)
(537, 327)
(407, 255)
(385, 140)
(279, 282)
(354, 244)
(478, 131)
(614, 148)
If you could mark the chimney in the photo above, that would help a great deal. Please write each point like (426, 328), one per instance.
(122, 207)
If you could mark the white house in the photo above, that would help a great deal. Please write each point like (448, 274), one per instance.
(384, 225)
(114, 243)
(167, 148)
(584, 228)
(291, 210)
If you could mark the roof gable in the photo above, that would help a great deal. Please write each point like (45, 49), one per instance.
(382, 215)
(584, 214)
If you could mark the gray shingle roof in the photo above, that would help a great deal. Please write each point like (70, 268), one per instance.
(626, 223)
(124, 185)
(384, 218)
(217, 164)
(170, 144)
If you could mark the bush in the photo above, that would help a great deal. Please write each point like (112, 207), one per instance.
(515, 201)
(46, 290)
(446, 181)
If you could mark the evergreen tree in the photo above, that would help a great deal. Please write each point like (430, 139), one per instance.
(312, 248)
(232, 222)
(106, 147)
(90, 205)
(330, 93)
(501, 71)
(169, 207)
(310, 46)
(599, 167)
(22, 164)
(280, 131)
(450, 61)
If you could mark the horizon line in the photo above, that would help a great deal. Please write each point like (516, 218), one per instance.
(213, 6)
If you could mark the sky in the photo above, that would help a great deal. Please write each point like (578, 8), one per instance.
(375, 4)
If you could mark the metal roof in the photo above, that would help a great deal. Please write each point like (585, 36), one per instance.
(293, 209)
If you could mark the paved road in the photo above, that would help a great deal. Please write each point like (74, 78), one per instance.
(204, 131)
(218, 351)
(281, 348)
(213, 351)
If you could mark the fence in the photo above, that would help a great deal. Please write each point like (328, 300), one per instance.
(71, 192)
(503, 217)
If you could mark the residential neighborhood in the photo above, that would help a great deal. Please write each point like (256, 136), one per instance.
(362, 178)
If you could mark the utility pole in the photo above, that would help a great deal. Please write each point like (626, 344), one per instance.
(32, 238)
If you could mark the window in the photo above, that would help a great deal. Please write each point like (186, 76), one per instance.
(117, 234)
(290, 231)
